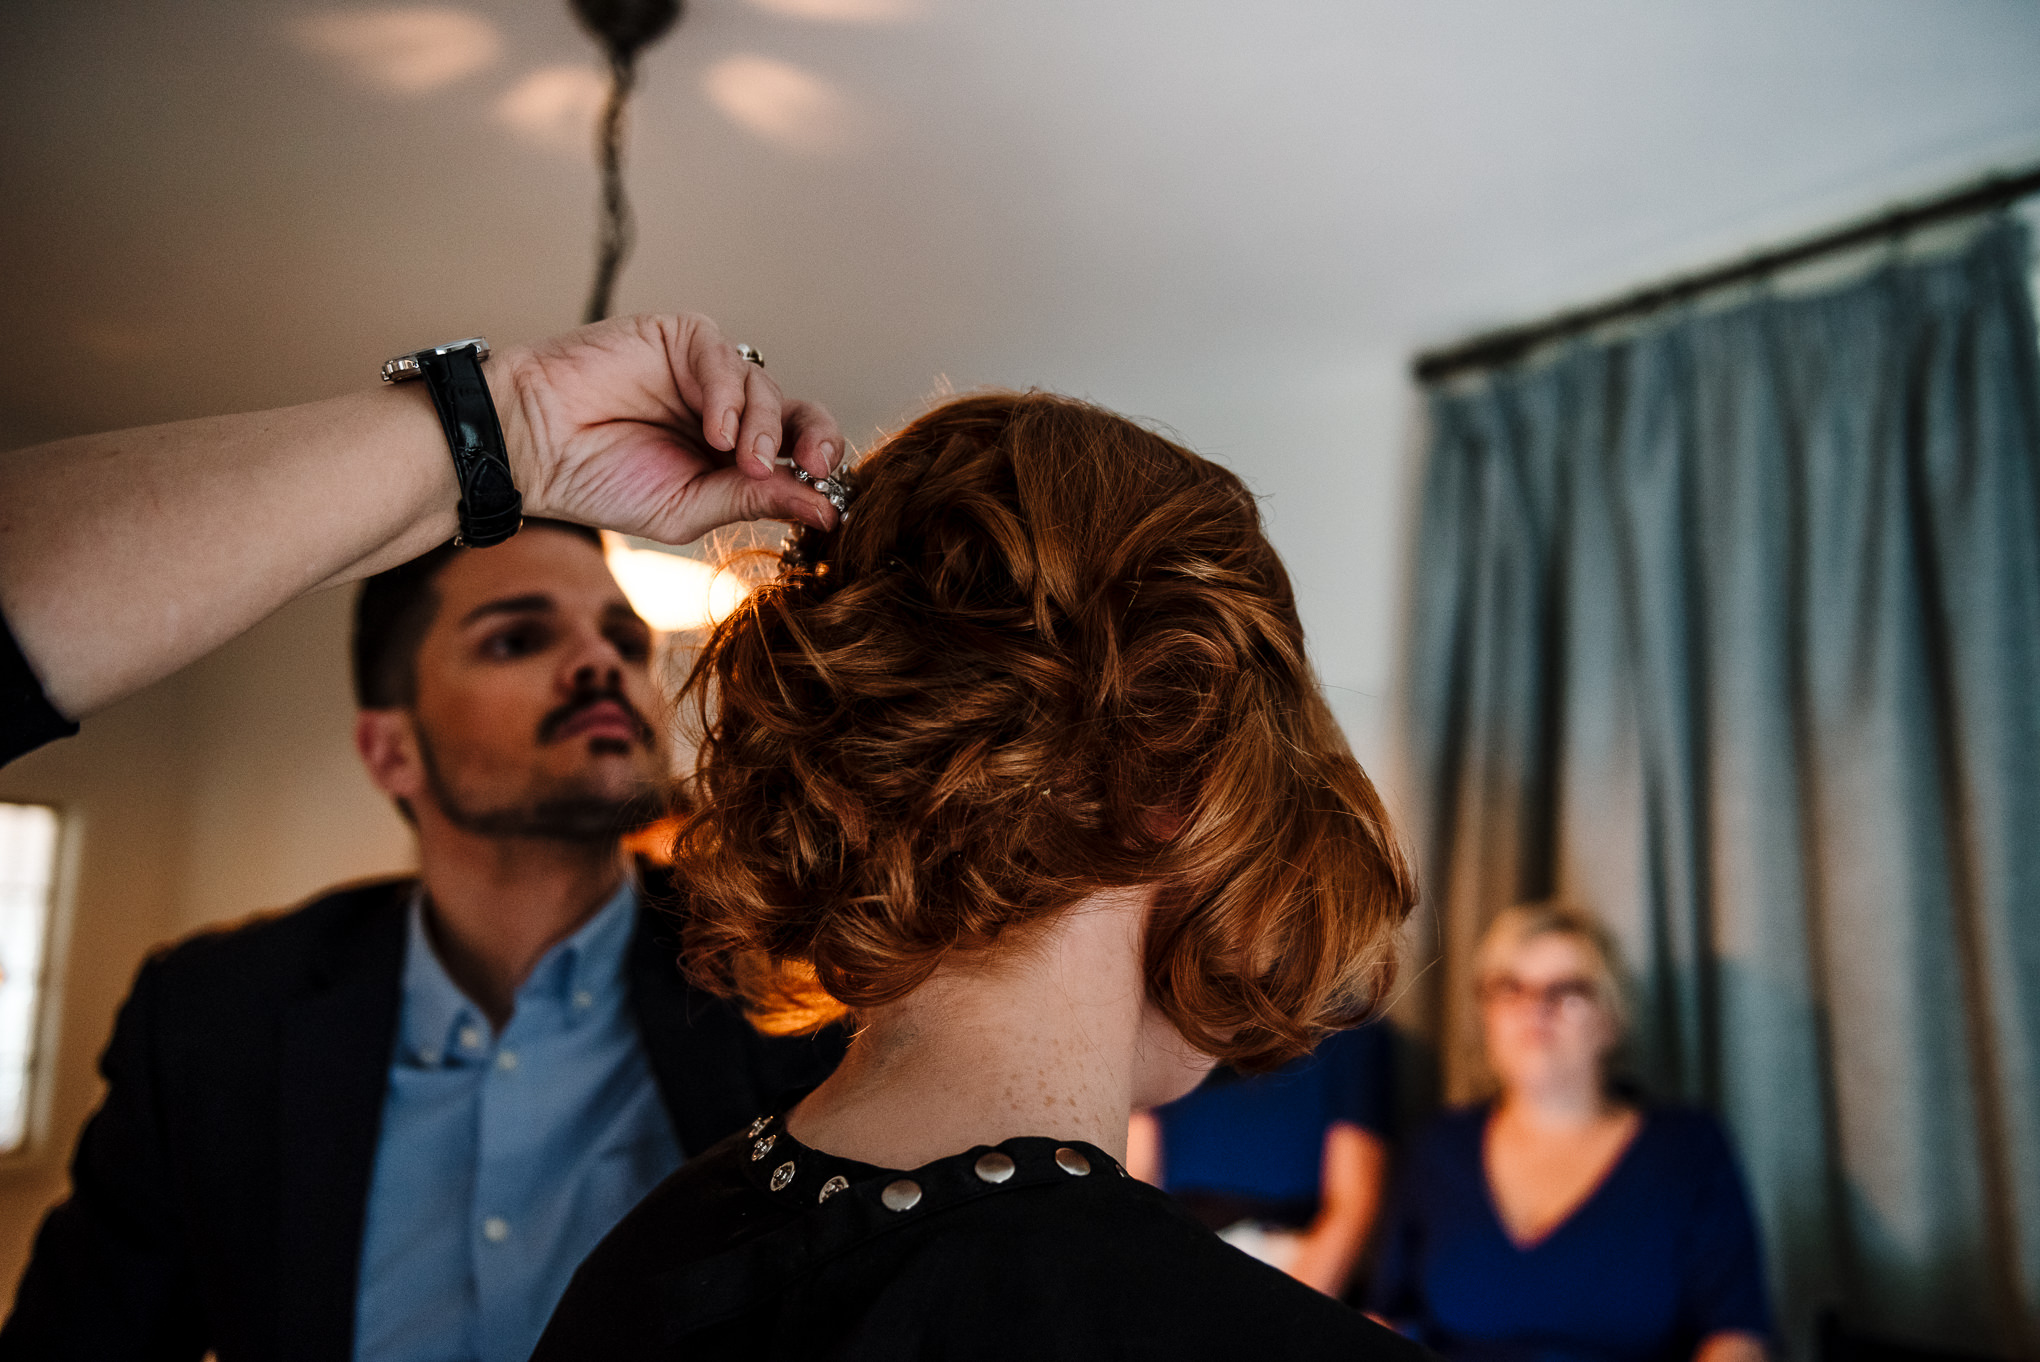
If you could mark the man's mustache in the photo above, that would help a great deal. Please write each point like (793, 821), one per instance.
(583, 700)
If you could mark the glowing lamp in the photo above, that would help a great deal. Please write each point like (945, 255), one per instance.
(671, 592)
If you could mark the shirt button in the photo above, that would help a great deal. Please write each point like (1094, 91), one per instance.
(583, 998)
(471, 1037)
(495, 1229)
(429, 1058)
(507, 1060)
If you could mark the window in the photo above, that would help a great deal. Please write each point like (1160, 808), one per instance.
(28, 875)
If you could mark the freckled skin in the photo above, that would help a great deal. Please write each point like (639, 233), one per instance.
(942, 1069)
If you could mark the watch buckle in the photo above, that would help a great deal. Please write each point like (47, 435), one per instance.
(405, 367)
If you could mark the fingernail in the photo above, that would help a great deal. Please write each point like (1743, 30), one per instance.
(829, 452)
(728, 427)
(765, 445)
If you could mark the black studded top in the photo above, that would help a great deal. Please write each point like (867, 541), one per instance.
(764, 1249)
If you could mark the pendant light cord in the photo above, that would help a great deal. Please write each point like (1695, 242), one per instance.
(617, 231)
(623, 27)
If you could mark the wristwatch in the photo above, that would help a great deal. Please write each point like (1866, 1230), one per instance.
(491, 508)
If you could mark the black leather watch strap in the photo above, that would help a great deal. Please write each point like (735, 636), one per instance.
(491, 508)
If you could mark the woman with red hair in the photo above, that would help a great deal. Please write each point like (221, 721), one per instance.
(1023, 768)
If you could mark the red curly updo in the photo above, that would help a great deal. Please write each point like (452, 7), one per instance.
(1047, 653)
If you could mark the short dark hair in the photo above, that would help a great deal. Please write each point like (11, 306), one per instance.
(392, 613)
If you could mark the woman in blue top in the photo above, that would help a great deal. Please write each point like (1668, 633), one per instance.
(1287, 1165)
(1561, 1223)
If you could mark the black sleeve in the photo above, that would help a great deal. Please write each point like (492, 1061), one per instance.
(27, 718)
(106, 1281)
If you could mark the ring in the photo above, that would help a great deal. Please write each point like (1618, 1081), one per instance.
(751, 353)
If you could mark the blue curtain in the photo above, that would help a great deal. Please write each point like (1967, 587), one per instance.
(1729, 628)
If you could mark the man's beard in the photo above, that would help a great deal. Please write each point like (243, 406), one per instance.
(564, 816)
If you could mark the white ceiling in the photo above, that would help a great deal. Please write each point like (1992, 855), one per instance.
(1240, 219)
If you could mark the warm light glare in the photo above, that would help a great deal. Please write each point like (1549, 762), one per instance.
(844, 11)
(779, 102)
(671, 592)
(411, 50)
(555, 107)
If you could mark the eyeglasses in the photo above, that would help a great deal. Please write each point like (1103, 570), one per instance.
(1505, 990)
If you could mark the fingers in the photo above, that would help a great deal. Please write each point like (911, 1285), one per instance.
(813, 439)
(730, 496)
(743, 413)
(724, 377)
(758, 439)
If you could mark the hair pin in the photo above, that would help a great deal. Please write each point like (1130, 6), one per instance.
(799, 550)
(833, 487)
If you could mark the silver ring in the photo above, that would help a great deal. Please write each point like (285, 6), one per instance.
(750, 353)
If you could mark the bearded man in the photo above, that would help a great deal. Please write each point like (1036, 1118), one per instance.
(391, 1123)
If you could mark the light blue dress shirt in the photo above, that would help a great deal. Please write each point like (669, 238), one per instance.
(505, 1158)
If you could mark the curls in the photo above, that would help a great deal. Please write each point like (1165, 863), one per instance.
(1050, 653)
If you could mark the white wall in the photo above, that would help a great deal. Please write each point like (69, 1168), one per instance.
(278, 806)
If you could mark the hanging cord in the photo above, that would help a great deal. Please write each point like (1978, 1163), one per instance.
(623, 27)
(618, 230)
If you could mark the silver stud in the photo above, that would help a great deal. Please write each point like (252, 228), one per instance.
(903, 1195)
(782, 1175)
(1071, 1162)
(763, 1147)
(993, 1167)
(758, 1127)
(831, 1187)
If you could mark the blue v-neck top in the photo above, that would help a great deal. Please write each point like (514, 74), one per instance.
(1660, 1255)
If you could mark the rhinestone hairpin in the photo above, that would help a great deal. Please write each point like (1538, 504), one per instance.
(832, 487)
(794, 552)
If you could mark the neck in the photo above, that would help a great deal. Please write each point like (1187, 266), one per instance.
(497, 905)
(1560, 1103)
(1046, 1038)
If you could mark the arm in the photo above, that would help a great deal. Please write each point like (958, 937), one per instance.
(125, 555)
(1354, 1169)
(105, 1280)
(1144, 1148)
(1723, 1301)
(1395, 1293)
(1730, 1347)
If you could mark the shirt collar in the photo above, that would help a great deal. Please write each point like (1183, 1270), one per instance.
(589, 963)
(577, 972)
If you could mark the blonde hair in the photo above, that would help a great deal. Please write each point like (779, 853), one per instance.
(1518, 925)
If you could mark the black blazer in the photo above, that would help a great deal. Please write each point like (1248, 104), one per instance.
(219, 1193)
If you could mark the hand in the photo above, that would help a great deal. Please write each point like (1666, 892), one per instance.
(656, 426)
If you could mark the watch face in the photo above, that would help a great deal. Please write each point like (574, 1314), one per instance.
(406, 366)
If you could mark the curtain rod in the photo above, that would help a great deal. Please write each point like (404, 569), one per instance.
(1511, 343)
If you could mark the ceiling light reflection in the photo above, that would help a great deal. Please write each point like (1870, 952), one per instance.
(780, 103)
(671, 592)
(555, 107)
(844, 11)
(411, 51)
